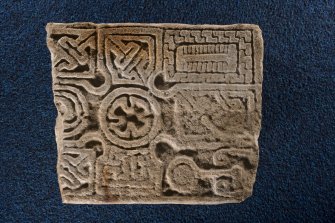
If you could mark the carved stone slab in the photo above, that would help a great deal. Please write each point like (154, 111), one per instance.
(156, 113)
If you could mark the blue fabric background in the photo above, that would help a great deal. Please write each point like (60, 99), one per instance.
(295, 179)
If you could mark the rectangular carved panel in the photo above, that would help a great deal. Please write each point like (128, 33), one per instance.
(156, 113)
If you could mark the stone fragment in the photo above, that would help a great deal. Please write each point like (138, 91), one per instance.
(156, 113)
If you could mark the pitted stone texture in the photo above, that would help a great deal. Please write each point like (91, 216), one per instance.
(156, 113)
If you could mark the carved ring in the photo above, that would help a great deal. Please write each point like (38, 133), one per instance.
(130, 117)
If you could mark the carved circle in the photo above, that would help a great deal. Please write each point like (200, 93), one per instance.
(182, 175)
(129, 117)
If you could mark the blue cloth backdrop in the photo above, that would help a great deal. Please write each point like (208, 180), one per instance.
(295, 179)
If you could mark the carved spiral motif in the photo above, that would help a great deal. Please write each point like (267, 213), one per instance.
(73, 109)
(129, 117)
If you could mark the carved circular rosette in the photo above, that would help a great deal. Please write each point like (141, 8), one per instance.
(130, 117)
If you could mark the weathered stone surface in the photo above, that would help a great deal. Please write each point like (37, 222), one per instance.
(156, 113)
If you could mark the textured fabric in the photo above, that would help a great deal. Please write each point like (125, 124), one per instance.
(296, 176)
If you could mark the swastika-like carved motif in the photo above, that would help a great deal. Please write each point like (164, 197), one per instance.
(156, 113)
(129, 117)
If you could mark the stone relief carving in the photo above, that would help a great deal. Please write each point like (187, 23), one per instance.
(156, 113)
